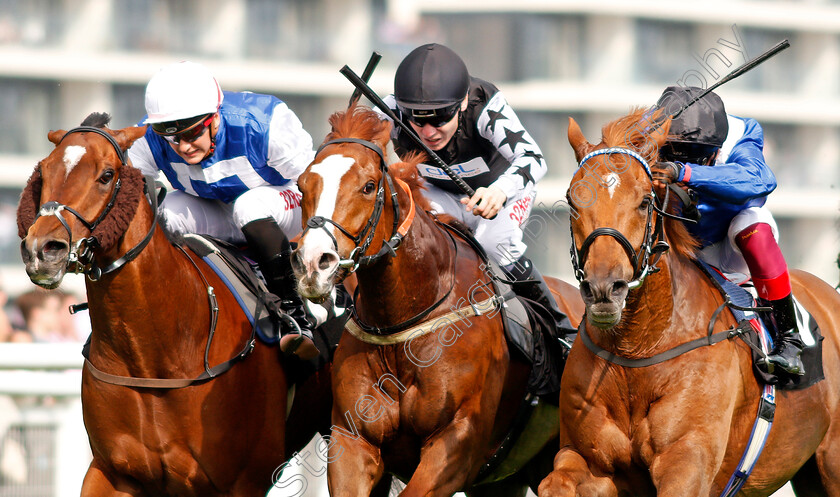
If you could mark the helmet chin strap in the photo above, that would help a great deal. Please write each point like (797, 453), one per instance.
(214, 127)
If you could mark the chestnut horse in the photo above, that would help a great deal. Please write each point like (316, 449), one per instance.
(677, 427)
(419, 392)
(152, 307)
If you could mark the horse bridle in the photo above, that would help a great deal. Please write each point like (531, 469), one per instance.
(653, 244)
(81, 255)
(363, 239)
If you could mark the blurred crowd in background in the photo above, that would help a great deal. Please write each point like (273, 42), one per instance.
(42, 316)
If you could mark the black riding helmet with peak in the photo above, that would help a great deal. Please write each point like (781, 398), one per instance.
(431, 81)
(699, 130)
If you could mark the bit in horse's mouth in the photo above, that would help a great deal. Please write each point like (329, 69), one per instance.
(318, 300)
(603, 320)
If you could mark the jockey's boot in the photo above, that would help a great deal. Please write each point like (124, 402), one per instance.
(272, 250)
(529, 283)
(788, 347)
(771, 278)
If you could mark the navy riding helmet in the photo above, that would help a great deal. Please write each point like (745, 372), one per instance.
(430, 80)
(699, 130)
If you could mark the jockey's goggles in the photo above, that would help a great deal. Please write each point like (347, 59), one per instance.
(188, 130)
(685, 152)
(434, 117)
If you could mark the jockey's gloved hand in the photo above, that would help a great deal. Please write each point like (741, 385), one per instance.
(666, 172)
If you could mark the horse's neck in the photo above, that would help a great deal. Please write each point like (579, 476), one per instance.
(133, 309)
(397, 288)
(654, 316)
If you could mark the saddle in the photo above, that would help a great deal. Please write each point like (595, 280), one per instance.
(742, 302)
(243, 278)
(526, 324)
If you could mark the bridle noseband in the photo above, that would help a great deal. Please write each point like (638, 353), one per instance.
(644, 259)
(81, 254)
(364, 238)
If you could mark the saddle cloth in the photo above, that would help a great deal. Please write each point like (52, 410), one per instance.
(808, 329)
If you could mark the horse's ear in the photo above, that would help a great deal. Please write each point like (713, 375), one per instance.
(383, 137)
(126, 136)
(660, 135)
(577, 140)
(655, 139)
(56, 136)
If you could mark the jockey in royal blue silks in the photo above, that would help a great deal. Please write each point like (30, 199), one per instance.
(720, 157)
(233, 160)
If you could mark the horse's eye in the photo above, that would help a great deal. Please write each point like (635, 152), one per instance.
(107, 176)
(645, 203)
(369, 187)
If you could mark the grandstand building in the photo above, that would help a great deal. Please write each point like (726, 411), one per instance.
(61, 59)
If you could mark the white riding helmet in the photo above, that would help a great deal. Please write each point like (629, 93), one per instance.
(182, 90)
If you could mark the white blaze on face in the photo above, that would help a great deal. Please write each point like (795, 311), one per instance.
(612, 181)
(331, 170)
(72, 155)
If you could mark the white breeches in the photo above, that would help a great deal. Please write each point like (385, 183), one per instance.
(501, 236)
(185, 213)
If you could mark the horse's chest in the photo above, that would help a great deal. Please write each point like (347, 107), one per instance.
(160, 463)
(610, 427)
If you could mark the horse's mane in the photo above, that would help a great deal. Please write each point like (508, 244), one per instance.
(364, 123)
(633, 131)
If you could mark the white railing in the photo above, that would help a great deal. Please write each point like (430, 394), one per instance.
(44, 448)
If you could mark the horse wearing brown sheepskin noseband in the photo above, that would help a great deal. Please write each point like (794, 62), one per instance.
(30, 202)
(115, 224)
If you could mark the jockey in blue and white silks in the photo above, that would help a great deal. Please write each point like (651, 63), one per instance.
(739, 180)
(259, 143)
(233, 160)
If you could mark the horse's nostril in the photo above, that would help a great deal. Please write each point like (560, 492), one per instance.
(53, 250)
(327, 260)
(620, 288)
(25, 254)
(586, 289)
(297, 264)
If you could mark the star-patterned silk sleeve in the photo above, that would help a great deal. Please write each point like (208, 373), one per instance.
(499, 124)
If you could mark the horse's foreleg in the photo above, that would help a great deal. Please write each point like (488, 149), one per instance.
(571, 476)
(682, 469)
(355, 466)
(828, 461)
(96, 484)
(445, 462)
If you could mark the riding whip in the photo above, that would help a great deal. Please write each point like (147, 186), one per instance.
(371, 95)
(366, 74)
(734, 74)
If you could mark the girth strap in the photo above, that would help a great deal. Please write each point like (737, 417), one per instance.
(165, 383)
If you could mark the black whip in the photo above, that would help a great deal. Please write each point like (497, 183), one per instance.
(366, 74)
(734, 74)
